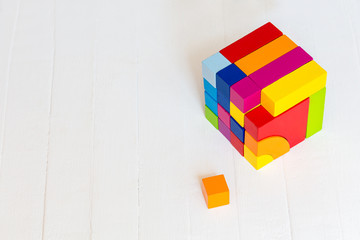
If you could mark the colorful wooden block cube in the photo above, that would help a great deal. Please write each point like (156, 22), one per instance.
(215, 191)
(270, 94)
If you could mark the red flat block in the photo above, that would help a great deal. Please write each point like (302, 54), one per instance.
(249, 43)
(238, 145)
(291, 125)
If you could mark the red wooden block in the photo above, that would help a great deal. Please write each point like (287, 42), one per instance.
(238, 145)
(249, 43)
(291, 125)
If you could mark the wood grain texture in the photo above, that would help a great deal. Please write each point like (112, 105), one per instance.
(103, 133)
(70, 157)
(26, 121)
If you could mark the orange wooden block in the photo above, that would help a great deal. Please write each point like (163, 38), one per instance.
(274, 146)
(265, 54)
(215, 191)
(256, 161)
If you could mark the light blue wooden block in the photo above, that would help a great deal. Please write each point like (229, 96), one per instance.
(212, 65)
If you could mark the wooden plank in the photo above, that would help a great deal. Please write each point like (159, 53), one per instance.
(70, 162)
(25, 112)
(115, 168)
(175, 137)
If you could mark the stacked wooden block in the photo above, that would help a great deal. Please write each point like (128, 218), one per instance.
(264, 93)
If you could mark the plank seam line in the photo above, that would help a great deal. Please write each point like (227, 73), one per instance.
(11, 47)
(355, 39)
(92, 169)
(236, 193)
(287, 200)
(49, 121)
(337, 198)
(138, 121)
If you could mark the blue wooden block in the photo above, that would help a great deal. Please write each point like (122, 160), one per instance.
(211, 103)
(227, 77)
(223, 101)
(210, 89)
(212, 65)
(238, 130)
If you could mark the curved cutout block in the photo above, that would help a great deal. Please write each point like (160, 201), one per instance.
(291, 124)
(255, 161)
(274, 146)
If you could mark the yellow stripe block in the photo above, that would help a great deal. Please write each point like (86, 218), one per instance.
(237, 114)
(293, 88)
(265, 54)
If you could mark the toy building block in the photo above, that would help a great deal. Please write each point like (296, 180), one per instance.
(290, 125)
(224, 130)
(237, 143)
(238, 130)
(225, 78)
(251, 42)
(280, 67)
(212, 65)
(211, 117)
(224, 101)
(215, 191)
(316, 112)
(238, 115)
(274, 146)
(256, 161)
(245, 94)
(293, 88)
(211, 103)
(270, 94)
(210, 89)
(223, 115)
(265, 54)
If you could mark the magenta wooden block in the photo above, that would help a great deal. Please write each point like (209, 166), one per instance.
(280, 67)
(245, 94)
(223, 115)
(224, 129)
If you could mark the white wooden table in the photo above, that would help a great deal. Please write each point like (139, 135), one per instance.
(103, 135)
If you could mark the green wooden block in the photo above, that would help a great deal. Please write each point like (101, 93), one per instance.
(213, 119)
(316, 112)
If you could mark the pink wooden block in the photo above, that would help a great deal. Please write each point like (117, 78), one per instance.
(245, 94)
(224, 115)
(280, 67)
(224, 130)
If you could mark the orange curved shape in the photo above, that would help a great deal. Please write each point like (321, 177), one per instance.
(256, 161)
(274, 146)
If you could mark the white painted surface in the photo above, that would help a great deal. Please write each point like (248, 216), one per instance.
(103, 136)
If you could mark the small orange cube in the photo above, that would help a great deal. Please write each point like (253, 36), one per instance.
(215, 191)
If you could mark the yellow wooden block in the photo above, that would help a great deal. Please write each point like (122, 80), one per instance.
(237, 114)
(265, 54)
(293, 88)
(255, 161)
